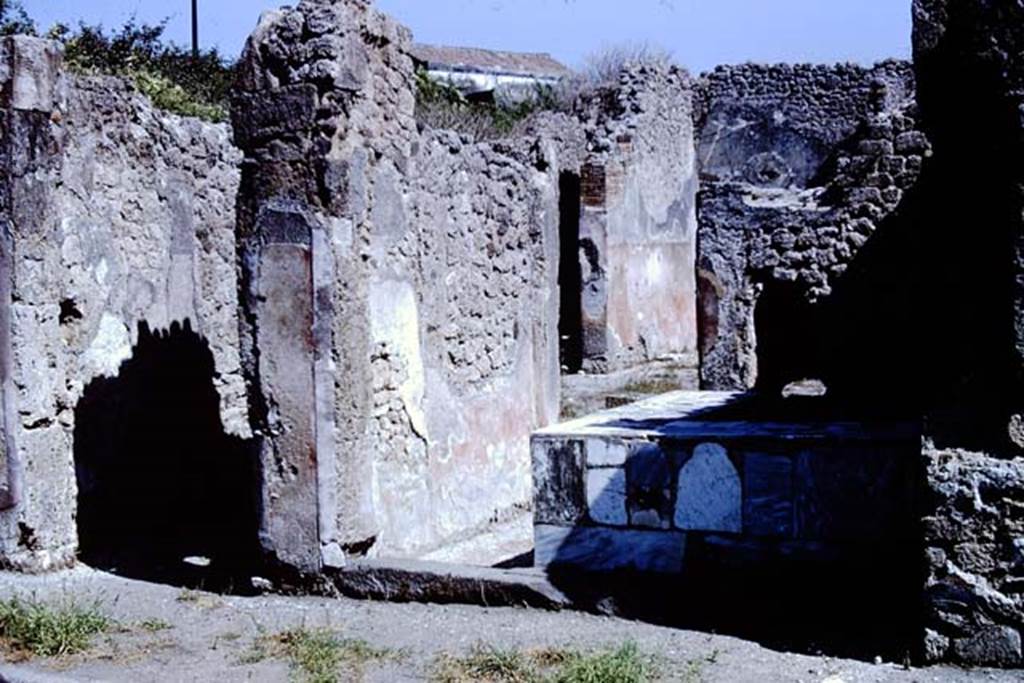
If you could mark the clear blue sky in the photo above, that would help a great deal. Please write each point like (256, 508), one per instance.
(699, 33)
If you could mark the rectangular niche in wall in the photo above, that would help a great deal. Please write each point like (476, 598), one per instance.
(570, 275)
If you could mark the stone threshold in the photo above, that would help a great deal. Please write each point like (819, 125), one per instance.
(442, 583)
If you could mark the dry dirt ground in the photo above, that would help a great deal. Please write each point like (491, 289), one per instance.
(165, 633)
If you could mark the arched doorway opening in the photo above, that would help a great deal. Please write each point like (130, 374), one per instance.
(163, 493)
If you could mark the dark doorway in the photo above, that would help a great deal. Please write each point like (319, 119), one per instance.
(787, 333)
(163, 493)
(570, 274)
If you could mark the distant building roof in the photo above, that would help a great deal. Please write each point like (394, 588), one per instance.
(478, 60)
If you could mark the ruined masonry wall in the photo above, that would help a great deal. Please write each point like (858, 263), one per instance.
(432, 303)
(799, 166)
(483, 218)
(969, 57)
(639, 224)
(117, 215)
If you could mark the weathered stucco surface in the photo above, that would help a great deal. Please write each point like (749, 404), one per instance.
(117, 216)
(381, 301)
(437, 303)
(395, 339)
(638, 225)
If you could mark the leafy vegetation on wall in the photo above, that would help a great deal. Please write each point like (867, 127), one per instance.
(171, 76)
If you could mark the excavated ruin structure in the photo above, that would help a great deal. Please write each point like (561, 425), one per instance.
(327, 332)
(371, 309)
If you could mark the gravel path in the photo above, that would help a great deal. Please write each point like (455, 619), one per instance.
(212, 638)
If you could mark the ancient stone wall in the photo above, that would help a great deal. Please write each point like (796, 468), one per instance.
(417, 268)
(638, 224)
(799, 165)
(476, 266)
(970, 70)
(396, 337)
(116, 216)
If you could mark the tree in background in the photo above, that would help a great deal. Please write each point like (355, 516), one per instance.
(14, 19)
(174, 78)
(171, 76)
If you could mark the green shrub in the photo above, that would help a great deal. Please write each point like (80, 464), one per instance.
(172, 77)
(167, 95)
(14, 19)
(443, 106)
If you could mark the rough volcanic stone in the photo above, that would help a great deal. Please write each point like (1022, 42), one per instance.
(936, 646)
(792, 169)
(709, 495)
(603, 549)
(35, 66)
(993, 646)
(606, 496)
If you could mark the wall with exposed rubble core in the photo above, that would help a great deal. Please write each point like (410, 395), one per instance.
(799, 166)
(969, 57)
(115, 216)
(407, 278)
(380, 302)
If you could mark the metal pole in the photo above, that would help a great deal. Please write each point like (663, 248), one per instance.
(195, 29)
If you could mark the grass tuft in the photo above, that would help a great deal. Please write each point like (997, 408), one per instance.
(319, 656)
(491, 665)
(42, 630)
(154, 625)
(487, 663)
(623, 665)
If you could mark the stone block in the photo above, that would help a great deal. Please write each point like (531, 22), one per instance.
(649, 488)
(912, 142)
(274, 114)
(875, 147)
(602, 453)
(991, 646)
(936, 646)
(709, 495)
(602, 549)
(856, 492)
(284, 334)
(768, 495)
(33, 68)
(606, 496)
(558, 482)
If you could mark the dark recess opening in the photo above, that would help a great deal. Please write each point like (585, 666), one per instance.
(787, 337)
(158, 479)
(570, 274)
